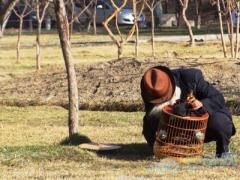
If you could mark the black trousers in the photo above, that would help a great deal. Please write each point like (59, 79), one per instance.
(219, 129)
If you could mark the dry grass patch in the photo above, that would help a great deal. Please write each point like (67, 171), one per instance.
(90, 52)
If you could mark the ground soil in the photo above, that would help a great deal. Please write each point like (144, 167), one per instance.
(113, 85)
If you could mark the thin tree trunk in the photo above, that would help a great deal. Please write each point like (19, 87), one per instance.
(184, 8)
(153, 27)
(198, 10)
(89, 25)
(94, 17)
(228, 29)
(40, 17)
(63, 26)
(136, 26)
(4, 24)
(231, 37)
(38, 57)
(30, 25)
(120, 50)
(178, 17)
(231, 32)
(137, 42)
(221, 29)
(5, 14)
(237, 31)
(71, 24)
(19, 39)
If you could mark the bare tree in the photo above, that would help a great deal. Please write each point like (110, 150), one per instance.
(88, 9)
(151, 4)
(137, 5)
(221, 28)
(5, 14)
(136, 23)
(184, 5)
(94, 17)
(229, 8)
(198, 4)
(237, 30)
(21, 14)
(70, 9)
(41, 7)
(120, 40)
(63, 29)
(85, 9)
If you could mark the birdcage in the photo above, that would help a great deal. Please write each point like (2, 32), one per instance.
(180, 136)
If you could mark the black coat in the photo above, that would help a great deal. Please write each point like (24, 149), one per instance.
(187, 80)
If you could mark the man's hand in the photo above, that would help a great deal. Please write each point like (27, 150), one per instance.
(196, 104)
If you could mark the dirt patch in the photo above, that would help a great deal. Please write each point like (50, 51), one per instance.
(113, 85)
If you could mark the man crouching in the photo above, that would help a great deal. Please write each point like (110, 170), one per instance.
(161, 86)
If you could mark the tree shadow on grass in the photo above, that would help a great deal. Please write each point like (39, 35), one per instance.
(75, 140)
(129, 152)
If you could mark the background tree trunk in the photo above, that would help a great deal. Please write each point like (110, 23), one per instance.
(153, 34)
(41, 7)
(72, 9)
(38, 57)
(120, 50)
(221, 29)
(5, 13)
(63, 29)
(21, 16)
(94, 17)
(4, 23)
(136, 26)
(114, 16)
(198, 13)
(151, 6)
(184, 8)
(231, 31)
(19, 39)
(237, 30)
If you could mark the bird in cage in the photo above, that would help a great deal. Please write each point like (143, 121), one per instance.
(199, 135)
(184, 107)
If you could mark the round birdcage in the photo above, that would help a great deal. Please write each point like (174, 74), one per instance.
(180, 136)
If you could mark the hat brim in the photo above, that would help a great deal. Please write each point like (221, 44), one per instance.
(171, 92)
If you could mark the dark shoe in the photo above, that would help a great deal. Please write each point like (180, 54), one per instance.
(224, 155)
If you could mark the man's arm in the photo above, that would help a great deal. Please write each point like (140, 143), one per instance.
(210, 97)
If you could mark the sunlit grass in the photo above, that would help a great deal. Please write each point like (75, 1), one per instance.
(30, 148)
(30, 137)
(90, 53)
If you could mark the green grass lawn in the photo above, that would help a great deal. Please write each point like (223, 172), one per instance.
(30, 147)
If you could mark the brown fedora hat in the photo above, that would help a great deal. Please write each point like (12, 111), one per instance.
(158, 85)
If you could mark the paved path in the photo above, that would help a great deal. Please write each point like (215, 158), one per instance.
(142, 39)
(184, 38)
